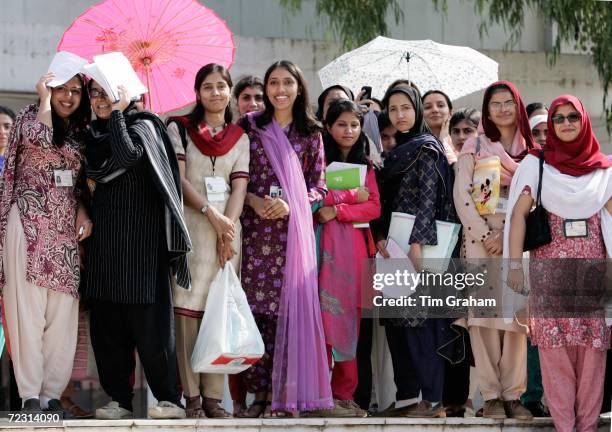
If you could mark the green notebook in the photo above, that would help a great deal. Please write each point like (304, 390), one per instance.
(343, 176)
(344, 179)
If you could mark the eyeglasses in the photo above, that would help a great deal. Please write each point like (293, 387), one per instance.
(76, 91)
(572, 118)
(499, 106)
(95, 94)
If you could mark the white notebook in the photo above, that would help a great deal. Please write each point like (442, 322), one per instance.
(112, 70)
(435, 257)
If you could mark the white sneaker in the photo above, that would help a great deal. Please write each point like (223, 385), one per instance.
(166, 410)
(469, 412)
(112, 411)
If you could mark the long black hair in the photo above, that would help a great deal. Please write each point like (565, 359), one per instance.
(197, 113)
(440, 92)
(304, 120)
(246, 82)
(78, 120)
(359, 153)
(470, 115)
(7, 111)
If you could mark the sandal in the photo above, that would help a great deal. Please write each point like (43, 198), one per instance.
(193, 408)
(269, 413)
(256, 410)
(76, 411)
(213, 410)
(239, 407)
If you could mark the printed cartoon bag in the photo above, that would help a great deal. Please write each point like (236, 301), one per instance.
(485, 183)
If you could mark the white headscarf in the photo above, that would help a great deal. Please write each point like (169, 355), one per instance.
(566, 196)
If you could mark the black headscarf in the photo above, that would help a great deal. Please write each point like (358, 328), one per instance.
(420, 126)
(98, 148)
(323, 95)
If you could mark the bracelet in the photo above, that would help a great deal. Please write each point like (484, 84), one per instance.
(204, 209)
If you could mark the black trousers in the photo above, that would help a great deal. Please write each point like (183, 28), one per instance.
(457, 376)
(363, 392)
(416, 365)
(118, 329)
(456, 383)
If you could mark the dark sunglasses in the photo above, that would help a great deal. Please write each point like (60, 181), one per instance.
(572, 118)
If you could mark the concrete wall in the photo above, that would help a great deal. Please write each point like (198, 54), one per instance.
(31, 30)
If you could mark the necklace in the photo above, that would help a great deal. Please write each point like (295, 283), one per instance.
(217, 128)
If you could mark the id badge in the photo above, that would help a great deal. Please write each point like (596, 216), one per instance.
(276, 192)
(576, 228)
(502, 205)
(215, 188)
(63, 178)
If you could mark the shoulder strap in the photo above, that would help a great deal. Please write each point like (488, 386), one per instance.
(477, 145)
(539, 195)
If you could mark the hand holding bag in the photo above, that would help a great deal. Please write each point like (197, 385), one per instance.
(537, 230)
(229, 340)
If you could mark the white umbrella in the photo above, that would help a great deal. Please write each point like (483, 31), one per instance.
(455, 70)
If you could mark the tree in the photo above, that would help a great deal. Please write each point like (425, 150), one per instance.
(587, 24)
(354, 22)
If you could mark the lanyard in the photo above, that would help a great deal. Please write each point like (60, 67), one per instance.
(213, 160)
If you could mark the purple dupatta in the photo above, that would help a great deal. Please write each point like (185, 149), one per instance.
(300, 374)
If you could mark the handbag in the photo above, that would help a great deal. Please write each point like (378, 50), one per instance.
(537, 231)
(486, 183)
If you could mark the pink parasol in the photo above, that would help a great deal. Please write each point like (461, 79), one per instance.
(166, 41)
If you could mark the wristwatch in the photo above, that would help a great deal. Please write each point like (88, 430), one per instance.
(204, 209)
(516, 265)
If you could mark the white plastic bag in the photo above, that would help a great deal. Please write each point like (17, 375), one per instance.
(229, 340)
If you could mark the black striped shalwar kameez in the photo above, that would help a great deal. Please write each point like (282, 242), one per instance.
(135, 211)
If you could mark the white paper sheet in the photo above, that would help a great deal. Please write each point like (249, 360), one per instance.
(112, 70)
(65, 65)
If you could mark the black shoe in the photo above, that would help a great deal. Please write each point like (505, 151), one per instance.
(31, 405)
(56, 406)
(391, 411)
(537, 408)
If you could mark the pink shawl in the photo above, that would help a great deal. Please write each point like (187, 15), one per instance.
(495, 148)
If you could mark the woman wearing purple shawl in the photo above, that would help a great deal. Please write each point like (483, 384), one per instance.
(279, 264)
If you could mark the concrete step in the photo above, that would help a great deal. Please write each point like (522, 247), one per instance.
(302, 425)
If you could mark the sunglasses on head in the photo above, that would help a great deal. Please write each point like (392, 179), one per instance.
(572, 118)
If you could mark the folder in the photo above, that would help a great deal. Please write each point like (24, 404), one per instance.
(435, 257)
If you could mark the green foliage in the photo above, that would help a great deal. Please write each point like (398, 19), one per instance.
(354, 22)
(584, 24)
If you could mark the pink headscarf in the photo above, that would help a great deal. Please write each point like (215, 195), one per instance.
(489, 135)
